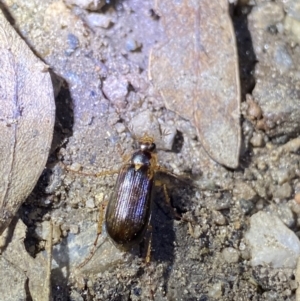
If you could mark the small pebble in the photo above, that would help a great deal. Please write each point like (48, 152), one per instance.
(89, 283)
(75, 167)
(132, 45)
(262, 165)
(72, 41)
(282, 192)
(244, 191)
(115, 89)
(242, 246)
(259, 205)
(245, 254)
(223, 232)
(297, 186)
(294, 205)
(90, 203)
(196, 231)
(291, 146)
(257, 140)
(220, 204)
(215, 290)
(64, 233)
(218, 218)
(98, 20)
(254, 110)
(246, 206)
(297, 198)
(120, 127)
(74, 229)
(231, 255)
(99, 198)
(260, 124)
(283, 175)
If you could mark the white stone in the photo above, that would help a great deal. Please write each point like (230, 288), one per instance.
(272, 242)
(90, 203)
(98, 20)
(215, 290)
(115, 89)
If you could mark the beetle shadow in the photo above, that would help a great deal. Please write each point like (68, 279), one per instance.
(247, 61)
(10, 232)
(163, 232)
(59, 280)
(246, 54)
(64, 116)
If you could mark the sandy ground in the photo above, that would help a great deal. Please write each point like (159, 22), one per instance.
(98, 57)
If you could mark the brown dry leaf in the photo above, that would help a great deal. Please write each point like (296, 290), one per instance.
(27, 115)
(32, 273)
(196, 72)
(10, 273)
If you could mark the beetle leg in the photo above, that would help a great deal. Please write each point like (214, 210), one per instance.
(126, 158)
(182, 178)
(99, 174)
(149, 244)
(99, 231)
(176, 215)
(168, 201)
(106, 173)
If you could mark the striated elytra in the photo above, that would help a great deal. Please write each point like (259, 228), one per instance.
(128, 211)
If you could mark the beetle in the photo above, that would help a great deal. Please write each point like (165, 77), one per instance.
(128, 210)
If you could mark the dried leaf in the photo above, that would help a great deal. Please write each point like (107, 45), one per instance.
(196, 71)
(27, 115)
(32, 272)
(8, 272)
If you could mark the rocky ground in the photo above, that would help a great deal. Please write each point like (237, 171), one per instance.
(238, 238)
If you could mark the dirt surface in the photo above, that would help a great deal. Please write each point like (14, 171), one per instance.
(99, 61)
